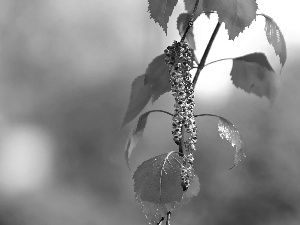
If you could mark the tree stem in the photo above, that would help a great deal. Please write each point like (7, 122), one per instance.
(168, 218)
(205, 54)
(192, 19)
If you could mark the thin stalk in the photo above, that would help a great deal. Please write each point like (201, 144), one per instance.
(161, 220)
(181, 143)
(212, 115)
(168, 218)
(205, 54)
(192, 19)
(219, 60)
(159, 110)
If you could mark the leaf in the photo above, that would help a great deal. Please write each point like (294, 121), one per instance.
(135, 135)
(190, 4)
(207, 14)
(157, 184)
(161, 10)
(276, 39)
(182, 23)
(157, 77)
(254, 74)
(150, 85)
(192, 191)
(230, 133)
(236, 14)
(139, 97)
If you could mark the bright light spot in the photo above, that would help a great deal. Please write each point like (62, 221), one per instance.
(25, 159)
(214, 84)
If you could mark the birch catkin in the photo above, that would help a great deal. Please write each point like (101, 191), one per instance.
(179, 60)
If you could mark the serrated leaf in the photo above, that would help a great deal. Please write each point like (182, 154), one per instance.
(161, 10)
(150, 85)
(182, 23)
(157, 184)
(229, 132)
(236, 14)
(276, 39)
(254, 74)
(135, 135)
(139, 97)
(157, 77)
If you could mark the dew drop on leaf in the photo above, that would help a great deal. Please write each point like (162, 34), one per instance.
(276, 39)
(230, 133)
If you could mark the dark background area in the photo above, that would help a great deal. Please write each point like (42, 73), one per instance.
(66, 69)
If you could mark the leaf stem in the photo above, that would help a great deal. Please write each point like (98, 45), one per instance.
(219, 60)
(192, 19)
(212, 115)
(181, 143)
(261, 14)
(159, 110)
(161, 220)
(168, 218)
(205, 54)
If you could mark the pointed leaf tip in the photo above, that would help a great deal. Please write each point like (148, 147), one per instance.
(161, 10)
(228, 131)
(254, 74)
(152, 84)
(236, 14)
(135, 135)
(276, 39)
(139, 97)
(157, 77)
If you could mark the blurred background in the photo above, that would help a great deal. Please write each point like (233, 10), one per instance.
(66, 68)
